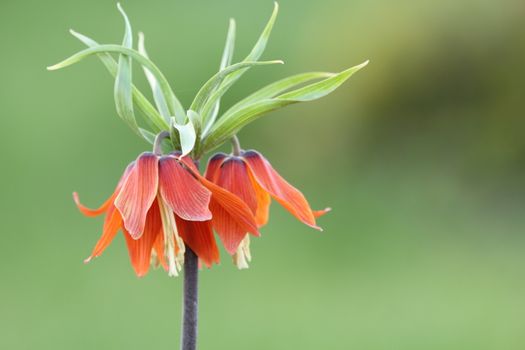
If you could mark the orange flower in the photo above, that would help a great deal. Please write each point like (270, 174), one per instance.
(252, 178)
(161, 204)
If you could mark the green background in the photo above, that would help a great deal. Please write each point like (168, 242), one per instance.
(421, 155)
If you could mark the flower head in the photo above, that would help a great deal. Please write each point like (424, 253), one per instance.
(252, 178)
(161, 204)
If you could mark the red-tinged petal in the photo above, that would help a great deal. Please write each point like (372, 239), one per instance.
(214, 164)
(232, 218)
(182, 192)
(140, 249)
(233, 176)
(104, 207)
(158, 247)
(138, 193)
(319, 213)
(198, 235)
(112, 224)
(263, 202)
(287, 195)
(93, 212)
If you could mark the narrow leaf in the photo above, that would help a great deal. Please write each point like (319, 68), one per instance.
(257, 49)
(151, 114)
(226, 60)
(322, 88)
(206, 91)
(122, 90)
(173, 102)
(158, 96)
(278, 87)
(232, 122)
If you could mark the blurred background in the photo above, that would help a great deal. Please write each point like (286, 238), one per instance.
(421, 155)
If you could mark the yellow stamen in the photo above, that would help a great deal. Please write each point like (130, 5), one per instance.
(243, 256)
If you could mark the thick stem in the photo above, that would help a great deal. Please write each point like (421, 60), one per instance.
(190, 301)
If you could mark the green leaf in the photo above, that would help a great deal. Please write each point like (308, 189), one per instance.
(158, 96)
(185, 133)
(205, 94)
(321, 88)
(152, 116)
(278, 87)
(232, 122)
(226, 60)
(257, 49)
(122, 91)
(172, 101)
(254, 55)
(260, 45)
(227, 54)
(147, 135)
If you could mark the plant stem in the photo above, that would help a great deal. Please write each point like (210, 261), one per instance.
(236, 146)
(190, 301)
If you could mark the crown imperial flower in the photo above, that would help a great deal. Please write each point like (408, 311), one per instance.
(167, 211)
(252, 178)
(161, 204)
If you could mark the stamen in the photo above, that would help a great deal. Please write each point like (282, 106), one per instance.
(173, 245)
(243, 256)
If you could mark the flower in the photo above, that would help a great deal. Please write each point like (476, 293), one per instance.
(252, 178)
(161, 204)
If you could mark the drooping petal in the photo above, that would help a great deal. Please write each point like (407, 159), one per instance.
(112, 224)
(158, 249)
(214, 163)
(319, 213)
(182, 192)
(263, 202)
(140, 249)
(233, 176)
(198, 235)
(105, 206)
(287, 195)
(93, 212)
(138, 193)
(232, 218)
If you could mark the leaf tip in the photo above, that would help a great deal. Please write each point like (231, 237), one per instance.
(364, 64)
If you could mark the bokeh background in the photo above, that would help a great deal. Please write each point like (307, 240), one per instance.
(421, 155)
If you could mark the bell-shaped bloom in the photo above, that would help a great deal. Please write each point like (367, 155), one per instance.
(252, 178)
(161, 205)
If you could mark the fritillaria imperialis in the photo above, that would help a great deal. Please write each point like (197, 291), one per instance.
(167, 211)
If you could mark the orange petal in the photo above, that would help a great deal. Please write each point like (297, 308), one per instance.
(263, 202)
(93, 212)
(140, 249)
(182, 192)
(232, 218)
(198, 235)
(104, 207)
(112, 224)
(214, 163)
(287, 195)
(319, 213)
(158, 247)
(138, 193)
